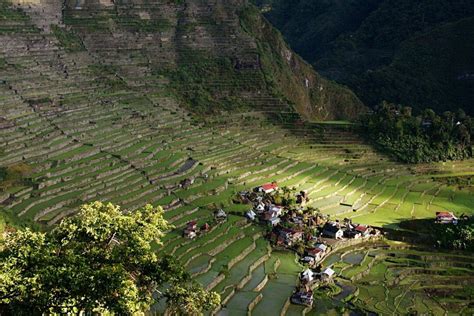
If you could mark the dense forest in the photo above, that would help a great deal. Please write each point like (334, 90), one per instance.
(408, 52)
(423, 138)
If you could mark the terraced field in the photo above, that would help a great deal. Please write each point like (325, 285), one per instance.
(395, 278)
(92, 121)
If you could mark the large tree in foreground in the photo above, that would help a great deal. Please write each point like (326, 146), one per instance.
(98, 261)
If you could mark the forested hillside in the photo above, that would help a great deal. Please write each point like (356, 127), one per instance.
(417, 53)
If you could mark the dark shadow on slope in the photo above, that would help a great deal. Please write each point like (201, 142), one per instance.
(429, 233)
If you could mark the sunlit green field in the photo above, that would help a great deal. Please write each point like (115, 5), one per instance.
(83, 137)
(343, 175)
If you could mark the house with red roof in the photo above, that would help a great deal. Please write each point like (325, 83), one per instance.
(268, 187)
(446, 218)
(205, 228)
(316, 253)
(363, 230)
(290, 236)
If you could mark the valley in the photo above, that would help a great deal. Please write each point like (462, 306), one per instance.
(102, 113)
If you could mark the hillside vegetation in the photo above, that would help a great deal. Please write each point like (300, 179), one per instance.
(424, 138)
(417, 53)
(183, 104)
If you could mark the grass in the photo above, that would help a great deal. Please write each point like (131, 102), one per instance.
(393, 196)
(279, 287)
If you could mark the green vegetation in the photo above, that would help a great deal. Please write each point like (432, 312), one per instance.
(425, 138)
(385, 50)
(117, 127)
(98, 261)
(199, 71)
(107, 77)
(67, 39)
(16, 20)
(137, 24)
(291, 78)
(14, 175)
(394, 278)
(113, 20)
(459, 236)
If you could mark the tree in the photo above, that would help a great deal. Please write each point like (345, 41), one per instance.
(422, 138)
(190, 300)
(98, 261)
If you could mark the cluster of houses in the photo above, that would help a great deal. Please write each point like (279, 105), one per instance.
(264, 208)
(303, 294)
(307, 232)
(337, 230)
(192, 230)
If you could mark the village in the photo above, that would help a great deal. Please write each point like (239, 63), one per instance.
(304, 230)
(294, 227)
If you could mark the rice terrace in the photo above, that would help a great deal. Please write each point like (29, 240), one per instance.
(277, 200)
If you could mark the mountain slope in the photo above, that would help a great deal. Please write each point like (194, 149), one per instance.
(101, 82)
(349, 41)
(433, 69)
(312, 95)
(200, 48)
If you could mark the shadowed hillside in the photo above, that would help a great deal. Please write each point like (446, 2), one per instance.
(412, 52)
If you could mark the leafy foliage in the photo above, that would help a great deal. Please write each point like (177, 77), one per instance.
(69, 40)
(460, 236)
(423, 138)
(98, 261)
(190, 300)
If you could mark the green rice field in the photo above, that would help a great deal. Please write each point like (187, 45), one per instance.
(86, 134)
(390, 278)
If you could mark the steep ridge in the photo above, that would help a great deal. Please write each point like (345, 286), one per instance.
(417, 53)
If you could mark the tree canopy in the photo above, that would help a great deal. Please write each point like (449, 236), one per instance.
(423, 138)
(459, 236)
(98, 261)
